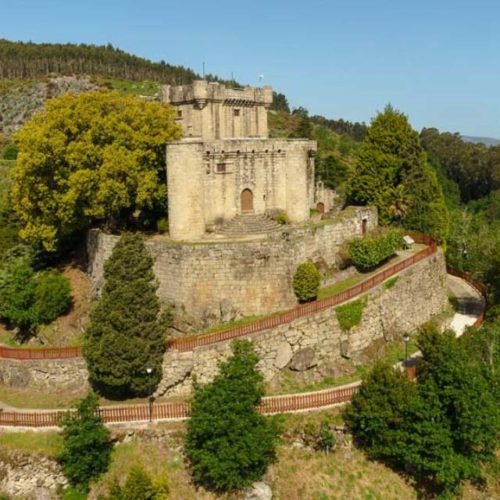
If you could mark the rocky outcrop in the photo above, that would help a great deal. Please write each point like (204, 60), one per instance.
(27, 476)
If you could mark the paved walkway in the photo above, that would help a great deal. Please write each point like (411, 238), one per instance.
(470, 304)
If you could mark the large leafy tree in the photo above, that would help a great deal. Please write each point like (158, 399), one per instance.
(440, 429)
(229, 444)
(392, 174)
(126, 334)
(91, 158)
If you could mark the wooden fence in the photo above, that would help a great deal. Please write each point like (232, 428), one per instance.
(192, 342)
(180, 411)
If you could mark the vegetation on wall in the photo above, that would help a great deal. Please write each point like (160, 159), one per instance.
(96, 158)
(370, 251)
(349, 315)
(306, 282)
(126, 334)
(228, 443)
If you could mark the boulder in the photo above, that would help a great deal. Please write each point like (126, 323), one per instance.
(303, 360)
(259, 491)
(284, 354)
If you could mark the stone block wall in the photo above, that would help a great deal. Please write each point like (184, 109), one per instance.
(215, 281)
(419, 294)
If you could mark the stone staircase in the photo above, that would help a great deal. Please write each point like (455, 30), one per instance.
(249, 224)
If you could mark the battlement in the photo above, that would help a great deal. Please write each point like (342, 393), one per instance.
(210, 110)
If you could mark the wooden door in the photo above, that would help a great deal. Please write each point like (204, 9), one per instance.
(246, 200)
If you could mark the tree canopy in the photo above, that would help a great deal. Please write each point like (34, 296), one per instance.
(95, 158)
(126, 334)
(392, 174)
(228, 443)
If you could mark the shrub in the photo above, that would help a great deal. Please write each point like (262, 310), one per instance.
(126, 331)
(367, 253)
(281, 218)
(350, 314)
(138, 486)
(306, 281)
(391, 282)
(87, 446)
(52, 296)
(229, 443)
(10, 152)
(162, 225)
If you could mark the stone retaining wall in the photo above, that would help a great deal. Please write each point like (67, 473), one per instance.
(213, 281)
(317, 342)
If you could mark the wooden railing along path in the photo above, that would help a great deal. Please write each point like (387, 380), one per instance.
(180, 411)
(300, 311)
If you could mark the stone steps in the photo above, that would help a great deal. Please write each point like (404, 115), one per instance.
(246, 224)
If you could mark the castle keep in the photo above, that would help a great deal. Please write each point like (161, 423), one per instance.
(227, 166)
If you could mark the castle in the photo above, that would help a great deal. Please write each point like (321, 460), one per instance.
(227, 166)
(225, 255)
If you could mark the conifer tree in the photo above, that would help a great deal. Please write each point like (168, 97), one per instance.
(126, 332)
(229, 444)
(389, 157)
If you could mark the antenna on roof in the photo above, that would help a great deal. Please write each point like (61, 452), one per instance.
(261, 77)
(203, 70)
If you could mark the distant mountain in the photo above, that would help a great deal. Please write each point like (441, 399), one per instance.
(488, 141)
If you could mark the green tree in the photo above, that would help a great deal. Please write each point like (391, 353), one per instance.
(52, 296)
(127, 329)
(95, 158)
(306, 282)
(138, 486)
(87, 446)
(229, 444)
(391, 156)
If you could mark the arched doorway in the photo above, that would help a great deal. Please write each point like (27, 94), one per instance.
(246, 200)
(320, 207)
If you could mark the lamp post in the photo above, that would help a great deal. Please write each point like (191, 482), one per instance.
(406, 339)
(149, 371)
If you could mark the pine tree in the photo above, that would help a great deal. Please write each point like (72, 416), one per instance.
(229, 444)
(126, 332)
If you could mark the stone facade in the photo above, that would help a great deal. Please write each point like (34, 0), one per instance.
(211, 111)
(65, 374)
(226, 165)
(214, 281)
(419, 294)
(213, 181)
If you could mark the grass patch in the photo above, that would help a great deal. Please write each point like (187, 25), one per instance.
(37, 399)
(391, 282)
(339, 287)
(350, 314)
(48, 443)
(145, 88)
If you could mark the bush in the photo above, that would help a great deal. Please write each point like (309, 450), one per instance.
(229, 443)
(10, 152)
(28, 299)
(162, 225)
(367, 253)
(350, 314)
(281, 218)
(138, 486)
(52, 296)
(87, 446)
(306, 282)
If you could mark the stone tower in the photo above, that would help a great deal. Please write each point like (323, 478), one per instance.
(226, 165)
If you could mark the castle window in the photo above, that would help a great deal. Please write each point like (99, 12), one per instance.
(236, 112)
(220, 168)
(179, 113)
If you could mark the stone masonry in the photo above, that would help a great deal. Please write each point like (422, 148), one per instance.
(419, 294)
(214, 281)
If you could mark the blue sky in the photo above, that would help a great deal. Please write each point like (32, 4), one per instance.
(438, 61)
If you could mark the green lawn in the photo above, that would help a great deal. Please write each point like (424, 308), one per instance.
(339, 287)
(47, 443)
(146, 88)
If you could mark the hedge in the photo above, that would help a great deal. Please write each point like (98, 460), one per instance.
(306, 281)
(367, 253)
